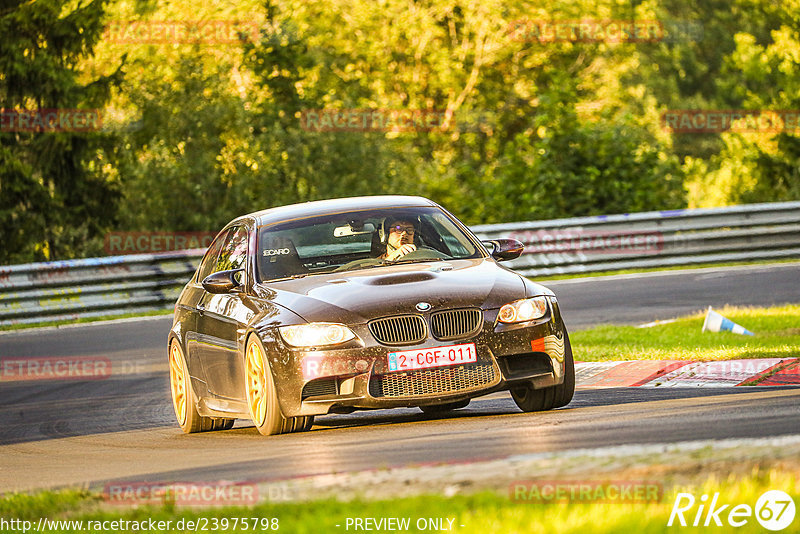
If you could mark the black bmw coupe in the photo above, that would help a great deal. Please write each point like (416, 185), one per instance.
(359, 303)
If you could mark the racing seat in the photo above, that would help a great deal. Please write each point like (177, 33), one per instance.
(378, 247)
(278, 258)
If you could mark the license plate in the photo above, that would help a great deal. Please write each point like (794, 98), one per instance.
(407, 360)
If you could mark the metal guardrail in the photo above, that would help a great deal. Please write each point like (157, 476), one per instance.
(73, 289)
(653, 239)
(37, 292)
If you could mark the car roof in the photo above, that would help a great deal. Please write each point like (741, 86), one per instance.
(335, 205)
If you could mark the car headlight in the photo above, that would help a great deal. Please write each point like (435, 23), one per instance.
(316, 334)
(523, 310)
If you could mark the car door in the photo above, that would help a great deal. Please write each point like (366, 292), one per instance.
(219, 320)
(192, 297)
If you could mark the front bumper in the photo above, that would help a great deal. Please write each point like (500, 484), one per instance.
(317, 382)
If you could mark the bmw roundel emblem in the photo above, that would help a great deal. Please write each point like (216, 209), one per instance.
(423, 306)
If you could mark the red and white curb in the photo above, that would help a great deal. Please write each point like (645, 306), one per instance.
(684, 373)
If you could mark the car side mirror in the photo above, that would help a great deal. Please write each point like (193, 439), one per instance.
(223, 281)
(504, 249)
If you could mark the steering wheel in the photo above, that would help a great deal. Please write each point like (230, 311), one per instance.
(423, 253)
(355, 264)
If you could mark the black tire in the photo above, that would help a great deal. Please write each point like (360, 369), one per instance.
(300, 424)
(441, 408)
(533, 400)
(262, 396)
(223, 424)
(566, 391)
(539, 400)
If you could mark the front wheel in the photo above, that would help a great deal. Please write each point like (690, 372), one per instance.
(262, 397)
(538, 400)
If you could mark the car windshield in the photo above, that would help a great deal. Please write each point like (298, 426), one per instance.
(354, 240)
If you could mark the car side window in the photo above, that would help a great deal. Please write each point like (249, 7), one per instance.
(210, 259)
(233, 254)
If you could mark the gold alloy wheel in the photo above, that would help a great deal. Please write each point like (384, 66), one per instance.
(177, 382)
(262, 398)
(256, 383)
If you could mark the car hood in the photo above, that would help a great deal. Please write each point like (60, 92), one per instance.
(359, 296)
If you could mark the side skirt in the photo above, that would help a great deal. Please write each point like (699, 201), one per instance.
(226, 408)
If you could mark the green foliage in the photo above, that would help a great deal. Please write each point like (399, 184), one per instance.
(777, 176)
(170, 169)
(571, 168)
(198, 133)
(53, 196)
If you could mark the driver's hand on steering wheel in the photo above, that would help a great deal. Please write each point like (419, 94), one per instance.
(402, 251)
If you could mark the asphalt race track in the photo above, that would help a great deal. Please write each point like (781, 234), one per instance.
(57, 433)
(641, 298)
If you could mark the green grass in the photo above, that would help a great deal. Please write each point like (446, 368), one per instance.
(658, 269)
(777, 332)
(63, 322)
(483, 512)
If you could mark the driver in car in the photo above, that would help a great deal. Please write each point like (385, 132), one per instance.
(399, 239)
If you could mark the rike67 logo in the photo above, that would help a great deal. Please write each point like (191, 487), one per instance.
(774, 510)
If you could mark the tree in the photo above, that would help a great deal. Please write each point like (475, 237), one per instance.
(53, 194)
(570, 168)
